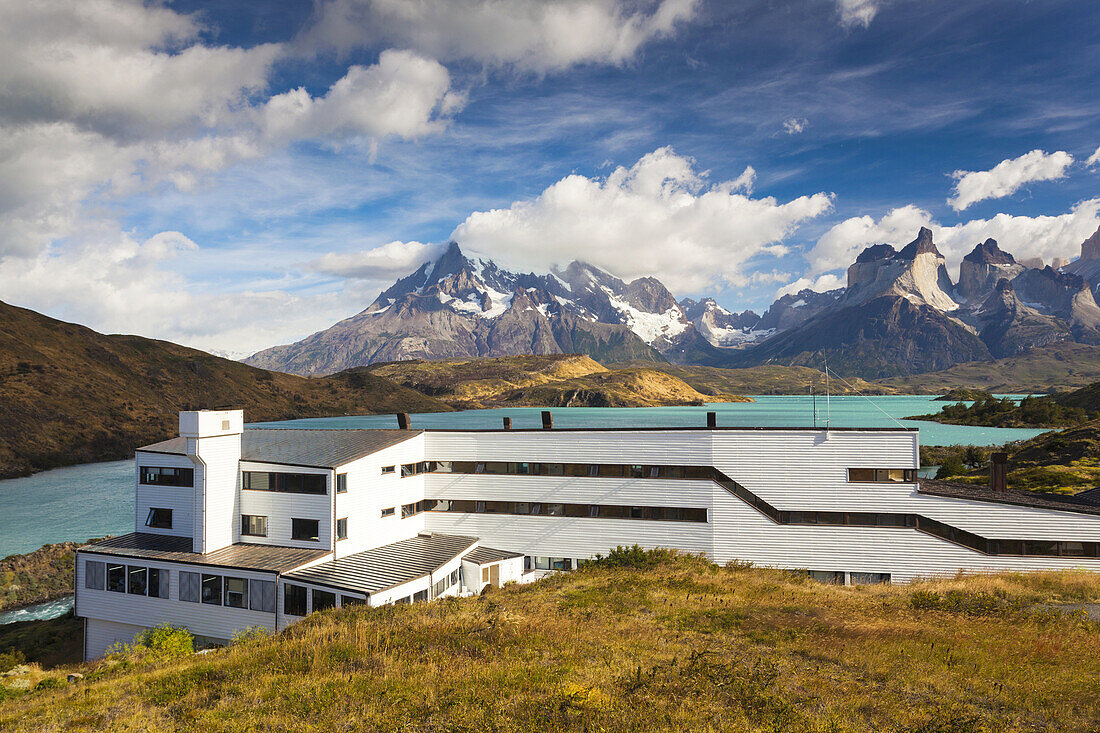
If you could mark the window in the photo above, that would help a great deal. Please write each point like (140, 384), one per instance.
(161, 476)
(454, 576)
(225, 425)
(868, 578)
(190, 587)
(408, 469)
(341, 483)
(596, 511)
(294, 600)
(116, 578)
(485, 574)
(138, 583)
(388, 469)
(346, 601)
(212, 590)
(158, 583)
(236, 592)
(253, 525)
(290, 483)
(388, 512)
(342, 529)
(403, 601)
(439, 587)
(881, 475)
(827, 576)
(159, 518)
(323, 599)
(420, 595)
(95, 574)
(407, 510)
(305, 529)
(261, 595)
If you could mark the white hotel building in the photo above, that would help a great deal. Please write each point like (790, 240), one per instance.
(238, 528)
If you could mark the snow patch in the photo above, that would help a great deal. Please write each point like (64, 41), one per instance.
(798, 303)
(648, 326)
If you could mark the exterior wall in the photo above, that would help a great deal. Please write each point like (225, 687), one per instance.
(221, 457)
(101, 635)
(511, 571)
(220, 622)
(180, 499)
(280, 508)
(369, 492)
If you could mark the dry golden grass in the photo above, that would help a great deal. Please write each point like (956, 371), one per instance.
(680, 645)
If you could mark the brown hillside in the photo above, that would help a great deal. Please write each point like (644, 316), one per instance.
(634, 387)
(69, 394)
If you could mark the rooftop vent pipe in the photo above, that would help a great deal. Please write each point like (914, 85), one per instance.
(403, 420)
(998, 472)
(547, 420)
(507, 423)
(712, 419)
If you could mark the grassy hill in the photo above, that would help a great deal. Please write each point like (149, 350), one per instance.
(761, 380)
(70, 395)
(557, 380)
(1061, 367)
(660, 643)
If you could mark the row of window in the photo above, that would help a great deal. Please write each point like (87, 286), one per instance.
(447, 581)
(547, 509)
(424, 505)
(308, 530)
(296, 599)
(882, 475)
(166, 476)
(290, 483)
(134, 579)
(220, 590)
(836, 577)
(549, 563)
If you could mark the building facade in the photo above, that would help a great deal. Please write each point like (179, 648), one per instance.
(239, 528)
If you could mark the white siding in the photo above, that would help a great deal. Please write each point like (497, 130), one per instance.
(280, 508)
(180, 499)
(369, 492)
(101, 635)
(220, 622)
(221, 455)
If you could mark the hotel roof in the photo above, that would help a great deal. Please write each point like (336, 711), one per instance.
(313, 448)
(1035, 499)
(147, 546)
(387, 566)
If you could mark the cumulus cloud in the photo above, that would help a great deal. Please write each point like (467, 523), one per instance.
(383, 263)
(1094, 159)
(794, 125)
(857, 13)
(1045, 236)
(1007, 177)
(824, 283)
(534, 35)
(659, 217)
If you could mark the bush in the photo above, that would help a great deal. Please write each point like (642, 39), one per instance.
(49, 683)
(163, 642)
(11, 659)
(632, 557)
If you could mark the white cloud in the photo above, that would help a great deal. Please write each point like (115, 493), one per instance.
(1045, 236)
(1094, 159)
(794, 125)
(824, 283)
(383, 264)
(659, 217)
(1007, 177)
(403, 95)
(534, 35)
(857, 12)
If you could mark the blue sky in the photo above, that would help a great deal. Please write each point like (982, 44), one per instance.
(237, 193)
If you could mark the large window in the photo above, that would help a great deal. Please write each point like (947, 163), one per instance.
(253, 525)
(159, 518)
(95, 574)
(323, 599)
(116, 578)
(882, 475)
(294, 600)
(158, 583)
(291, 483)
(212, 589)
(138, 580)
(164, 476)
(190, 586)
(133, 579)
(261, 595)
(601, 511)
(305, 529)
(236, 592)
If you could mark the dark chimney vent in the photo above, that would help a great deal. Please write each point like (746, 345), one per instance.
(547, 420)
(998, 472)
(712, 419)
(403, 420)
(507, 423)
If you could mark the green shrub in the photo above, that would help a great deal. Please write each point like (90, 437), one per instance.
(49, 683)
(633, 557)
(162, 642)
(11, 659)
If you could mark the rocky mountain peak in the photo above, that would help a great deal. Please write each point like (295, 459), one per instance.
(988, 253)
(876, 252)
(1090, 248)
(921, 245)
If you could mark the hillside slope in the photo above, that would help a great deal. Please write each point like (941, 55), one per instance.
(69, 394)
(762, 380)
(1061, 367)
(668, 644)
(635, 387)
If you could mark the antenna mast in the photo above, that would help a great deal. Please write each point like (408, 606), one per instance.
(813, 396)
(828, 403)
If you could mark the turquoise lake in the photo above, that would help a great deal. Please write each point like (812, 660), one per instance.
(96, 499)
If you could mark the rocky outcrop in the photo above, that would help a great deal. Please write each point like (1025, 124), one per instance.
(1088, 266)
(1011, 327)
(1062, 295)
(918, 272)
(982, 268)
(719, 326)
(794, 308)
